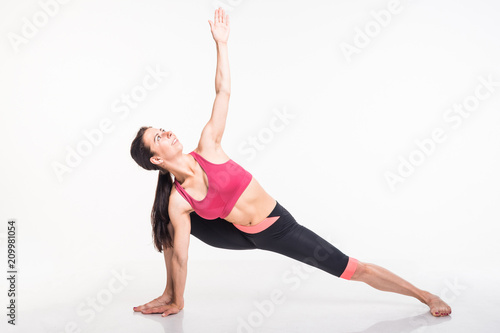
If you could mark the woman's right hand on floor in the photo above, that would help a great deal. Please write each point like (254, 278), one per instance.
(157, 302)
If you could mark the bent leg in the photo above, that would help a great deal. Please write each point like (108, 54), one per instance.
(219, 233)
(383, 279)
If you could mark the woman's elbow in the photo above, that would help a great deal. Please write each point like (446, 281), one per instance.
(223, 90)
(180, 258)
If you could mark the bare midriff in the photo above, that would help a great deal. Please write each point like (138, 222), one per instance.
(252, 207)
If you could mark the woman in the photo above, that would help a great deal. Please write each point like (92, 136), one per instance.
(220, 203)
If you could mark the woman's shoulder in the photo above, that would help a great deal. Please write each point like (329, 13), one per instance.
(177, 204)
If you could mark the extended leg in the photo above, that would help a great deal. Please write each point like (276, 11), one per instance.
(382, 279)
(287, 237)
(291, 239)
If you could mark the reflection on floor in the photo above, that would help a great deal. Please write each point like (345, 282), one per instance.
(248, 296)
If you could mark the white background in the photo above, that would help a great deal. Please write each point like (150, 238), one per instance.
(352, 119)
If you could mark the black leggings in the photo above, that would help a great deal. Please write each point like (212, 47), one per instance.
(284, 236)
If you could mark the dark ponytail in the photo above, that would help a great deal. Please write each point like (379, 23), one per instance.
(159, 214)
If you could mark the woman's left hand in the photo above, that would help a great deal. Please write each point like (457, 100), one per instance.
(165, 310)
(220, 26)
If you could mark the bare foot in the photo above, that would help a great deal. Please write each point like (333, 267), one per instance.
(438, 307)
(159, 301)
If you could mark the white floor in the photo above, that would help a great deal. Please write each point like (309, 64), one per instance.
(236, 296)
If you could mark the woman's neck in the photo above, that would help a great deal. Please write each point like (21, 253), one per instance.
(181, 168)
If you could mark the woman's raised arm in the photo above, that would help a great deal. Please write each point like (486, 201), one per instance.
(215, 127)
(220, 33)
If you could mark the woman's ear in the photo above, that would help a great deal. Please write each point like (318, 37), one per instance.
(156, 160)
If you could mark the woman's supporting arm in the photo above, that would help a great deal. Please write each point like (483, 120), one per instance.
(169, 289)
(179, 265)
(179, 228)
(181, 225)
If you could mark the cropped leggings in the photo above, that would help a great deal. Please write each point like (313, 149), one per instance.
(280, 233)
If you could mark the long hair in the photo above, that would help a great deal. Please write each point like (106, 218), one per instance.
(159, 213)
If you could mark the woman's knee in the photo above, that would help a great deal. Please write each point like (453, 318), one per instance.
(361, 271)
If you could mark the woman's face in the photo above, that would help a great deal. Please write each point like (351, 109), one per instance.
(163, 144)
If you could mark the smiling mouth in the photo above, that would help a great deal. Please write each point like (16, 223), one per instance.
(173, 142)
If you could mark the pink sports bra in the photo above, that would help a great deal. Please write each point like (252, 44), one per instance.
(226, 183)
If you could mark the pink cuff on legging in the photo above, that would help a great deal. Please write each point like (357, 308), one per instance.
(350, 269)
